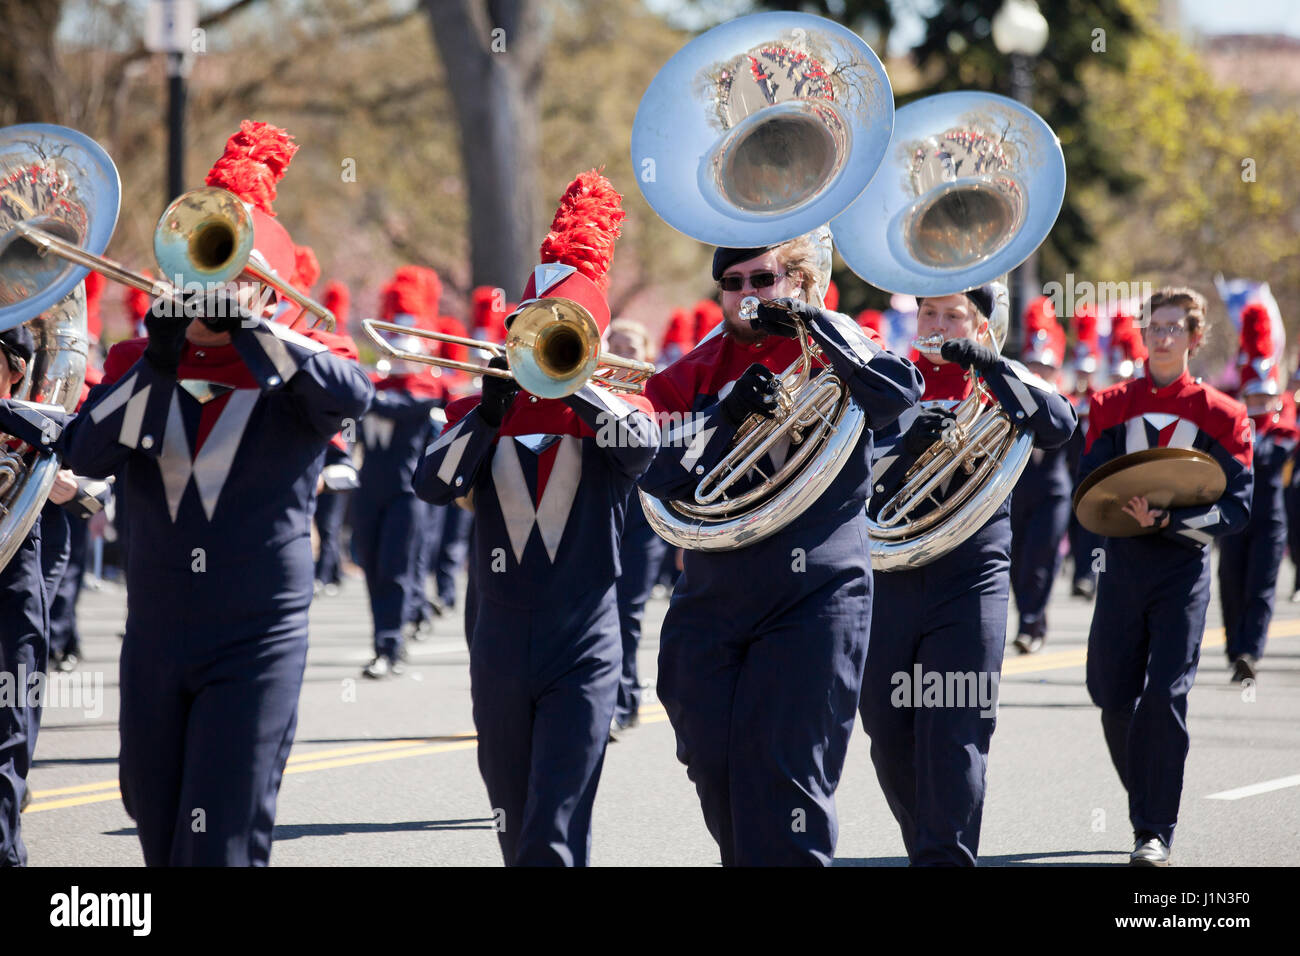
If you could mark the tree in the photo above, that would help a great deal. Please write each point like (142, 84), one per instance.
(29, 68)
(492, 53)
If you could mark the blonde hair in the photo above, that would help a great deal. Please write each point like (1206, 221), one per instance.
(801, 255)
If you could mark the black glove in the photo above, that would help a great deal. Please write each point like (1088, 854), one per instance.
(498, 394)
(970, 354)
(774, 317)
(166, 326)
(221, 312)
(754, 393)
(927, 428)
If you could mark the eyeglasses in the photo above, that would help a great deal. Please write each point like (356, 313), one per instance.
(759, 280)
(1160, 331)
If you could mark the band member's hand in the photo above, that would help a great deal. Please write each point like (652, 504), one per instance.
(166, 338)
(64, 487)
(754, 393)
(927, 428)
(969, 354)
(223, 313)
(498, 394)
(774, 317)
(1141, 511)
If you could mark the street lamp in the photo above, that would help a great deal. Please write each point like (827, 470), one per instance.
(1020, 32)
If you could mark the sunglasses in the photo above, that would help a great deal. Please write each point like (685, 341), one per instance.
(759, 280)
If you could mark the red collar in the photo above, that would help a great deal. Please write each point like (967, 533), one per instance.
(1173, 388)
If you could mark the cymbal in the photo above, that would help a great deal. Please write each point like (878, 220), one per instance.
(1168, 477)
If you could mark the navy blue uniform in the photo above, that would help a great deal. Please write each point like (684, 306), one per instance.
(339, 479)
(641, 554)
(24, 626)
(1040, 515)
(946, 618)
(761, 653)
(1249, 562)
(388, 520)
(1149, 619)
(218, 466)
(549, 491)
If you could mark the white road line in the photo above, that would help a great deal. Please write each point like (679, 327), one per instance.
(1281, 783)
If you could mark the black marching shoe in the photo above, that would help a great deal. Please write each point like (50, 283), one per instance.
(1027, 644)
(1149, 850)
(1084, 588)
(1243, 669)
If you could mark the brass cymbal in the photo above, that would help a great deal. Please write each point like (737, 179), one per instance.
(1168, 477)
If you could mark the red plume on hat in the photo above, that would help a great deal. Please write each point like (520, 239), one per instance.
(576, 253)
(254, 162)
(306, 268)
(708, 315)
(680, 331)
(1087, 348)
(137, 305)
(832, 298)
(872, 319)
(338, 300)
(1259, 371)
(585, 226)
(488, 311)
(94, 292)
(1041, 315)
(405, 294)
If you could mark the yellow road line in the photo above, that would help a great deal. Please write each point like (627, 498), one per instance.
(1076, 657)
(310, 761)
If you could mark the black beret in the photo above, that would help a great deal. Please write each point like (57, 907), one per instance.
(981, 297)
(18, 341)
(724, 258)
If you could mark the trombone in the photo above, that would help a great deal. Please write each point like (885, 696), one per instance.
(204, 236)
(552, 347)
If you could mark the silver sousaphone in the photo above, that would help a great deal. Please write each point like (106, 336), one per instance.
(970, 186)
(758, 131)
(66, 182)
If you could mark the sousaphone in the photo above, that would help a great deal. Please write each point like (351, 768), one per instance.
(65, 181)
(758, 131)
(970, 186)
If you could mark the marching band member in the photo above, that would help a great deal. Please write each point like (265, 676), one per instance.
(1040, 504)
(679, 337)
(1149, 618)
(24, 611)
(762, 650)
(1084, 545)
(338, 479)
(641, 555)
(949, 616)
(218, 428)
(549, 481)
(1249, 562)
(388, 520)
(1291, 496)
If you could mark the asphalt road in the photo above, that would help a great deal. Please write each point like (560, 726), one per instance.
(384, 773)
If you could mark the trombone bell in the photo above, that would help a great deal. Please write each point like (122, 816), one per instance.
(553, 346)
(204, 236)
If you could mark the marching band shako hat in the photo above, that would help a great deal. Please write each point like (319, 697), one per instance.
(95, 284)
(254, 161)
(338, 300)
(1087, 344)
(1044, 337)
(1127, 351)
(708, 315)
(576, 253)
(680, 331)
(1259, 371)
(489, 309)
